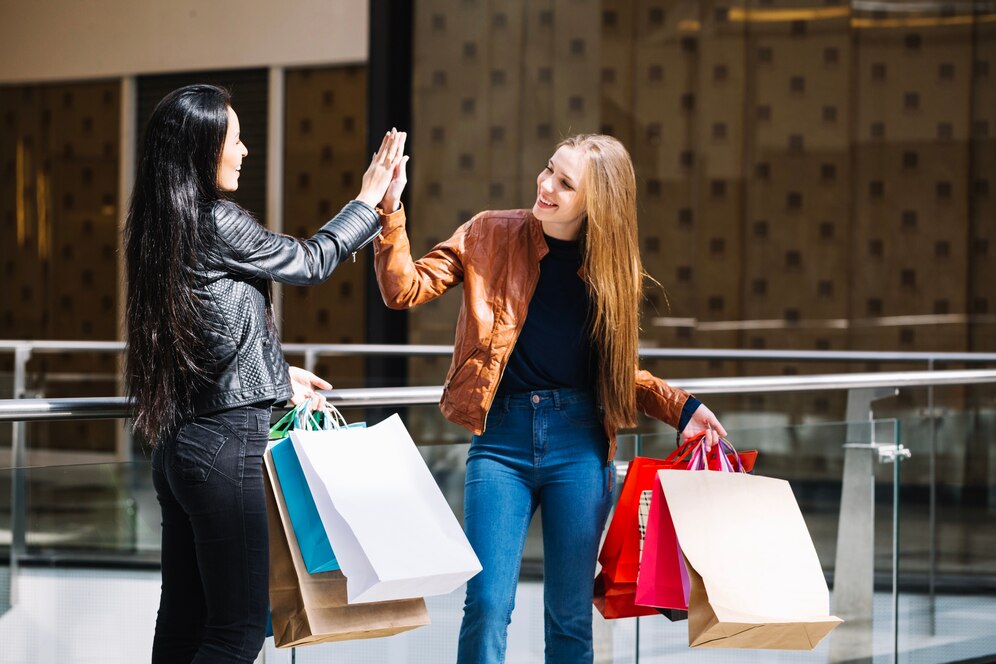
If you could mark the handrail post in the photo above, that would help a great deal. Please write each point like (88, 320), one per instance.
(854, 569)
(310, 360)
(932, 515)
(18, 461)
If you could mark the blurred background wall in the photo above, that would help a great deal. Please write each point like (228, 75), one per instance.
(813, 174)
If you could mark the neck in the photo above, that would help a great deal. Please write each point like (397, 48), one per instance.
(560, 230)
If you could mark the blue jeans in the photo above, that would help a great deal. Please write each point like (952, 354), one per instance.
(209, 481)
(540, 448)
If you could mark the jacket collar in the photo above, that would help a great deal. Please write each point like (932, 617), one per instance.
(536, 236)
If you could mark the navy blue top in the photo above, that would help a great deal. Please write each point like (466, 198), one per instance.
(554, 348)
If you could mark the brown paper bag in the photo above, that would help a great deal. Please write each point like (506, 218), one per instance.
(755, 580)
(311, 608)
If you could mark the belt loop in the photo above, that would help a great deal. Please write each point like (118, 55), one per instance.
(556, 399)
(506, 403)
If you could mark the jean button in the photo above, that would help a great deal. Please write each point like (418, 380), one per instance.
(536, 398)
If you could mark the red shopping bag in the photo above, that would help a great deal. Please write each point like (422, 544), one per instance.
(663, 580)
(615, 585)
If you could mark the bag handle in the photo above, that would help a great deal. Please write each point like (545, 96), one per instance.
(303, 419)
(699, 459)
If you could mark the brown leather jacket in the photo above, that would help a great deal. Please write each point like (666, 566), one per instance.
(496, 257)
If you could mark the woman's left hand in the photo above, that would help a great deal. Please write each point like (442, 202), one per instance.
(703, 419)
(306, 386)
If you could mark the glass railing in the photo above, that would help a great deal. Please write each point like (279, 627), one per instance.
(90, 543)
(78, 515)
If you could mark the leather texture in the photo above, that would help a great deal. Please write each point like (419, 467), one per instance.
(495, 256)
(246, 364)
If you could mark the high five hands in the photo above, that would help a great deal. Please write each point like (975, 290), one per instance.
(381, 175)
(392, 198)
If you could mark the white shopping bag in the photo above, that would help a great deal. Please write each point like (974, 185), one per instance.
(392, 530)
(756, 581)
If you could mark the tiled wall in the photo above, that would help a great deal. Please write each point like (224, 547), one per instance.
(798, 162)
(325, 158)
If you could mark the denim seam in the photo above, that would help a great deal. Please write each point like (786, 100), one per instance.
(245, 552)
(511, 602)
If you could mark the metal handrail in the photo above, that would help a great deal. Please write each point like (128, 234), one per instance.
(114, 407)
(441, 350)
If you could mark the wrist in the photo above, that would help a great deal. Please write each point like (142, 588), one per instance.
(364, 197)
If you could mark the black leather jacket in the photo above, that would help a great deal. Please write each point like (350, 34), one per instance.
(246, 364)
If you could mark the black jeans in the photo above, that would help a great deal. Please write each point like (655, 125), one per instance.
(209, 481)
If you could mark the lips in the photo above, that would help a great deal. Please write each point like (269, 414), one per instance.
(543, 203)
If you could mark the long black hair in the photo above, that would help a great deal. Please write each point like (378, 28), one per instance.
(176, 183)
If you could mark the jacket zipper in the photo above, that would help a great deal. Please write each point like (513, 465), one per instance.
(365, 243)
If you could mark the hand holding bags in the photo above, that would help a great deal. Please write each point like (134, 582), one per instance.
(755, 579)
(394, 533)
(615, 585)
(311, 608)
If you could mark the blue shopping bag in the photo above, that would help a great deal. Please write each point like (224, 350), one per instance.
(313, 541)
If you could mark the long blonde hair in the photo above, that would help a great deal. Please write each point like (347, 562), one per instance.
(613, 270)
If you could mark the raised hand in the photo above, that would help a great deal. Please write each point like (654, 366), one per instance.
(382, 167)
(392, 199)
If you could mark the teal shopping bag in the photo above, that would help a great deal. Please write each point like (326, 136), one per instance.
(316, 550)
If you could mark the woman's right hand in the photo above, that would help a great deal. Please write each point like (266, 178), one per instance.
(382, 168)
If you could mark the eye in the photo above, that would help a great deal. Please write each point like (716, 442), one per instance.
(567, 185)
(547, 169)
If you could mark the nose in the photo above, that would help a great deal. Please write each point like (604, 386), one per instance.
(245, 150)
(546, 184)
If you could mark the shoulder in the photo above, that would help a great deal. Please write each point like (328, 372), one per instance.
(227, 213)
(234, 224)
(503, 221)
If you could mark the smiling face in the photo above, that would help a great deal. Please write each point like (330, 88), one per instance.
(232, 154)
(559, 203)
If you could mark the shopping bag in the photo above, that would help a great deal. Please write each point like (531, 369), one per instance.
(755, 579)
(662, 581)
(312, 608)
(308, 529)
(672, 614)
(615, 587)
(394, 534)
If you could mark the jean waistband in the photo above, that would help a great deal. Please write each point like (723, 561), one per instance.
(545, 398)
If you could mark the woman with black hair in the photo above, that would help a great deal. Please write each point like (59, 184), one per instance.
(204, 364)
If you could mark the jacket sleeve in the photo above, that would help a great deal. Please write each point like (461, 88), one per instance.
(406, 283)
(247, 248)
(658, 399)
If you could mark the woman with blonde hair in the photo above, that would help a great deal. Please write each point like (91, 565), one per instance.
(544, 373)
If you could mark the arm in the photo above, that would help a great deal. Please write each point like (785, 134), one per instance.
(661, 401)
(406, 283)
(249, 249)
(245, 247)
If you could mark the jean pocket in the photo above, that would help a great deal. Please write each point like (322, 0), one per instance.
(581, 415)
(495, 417)
(198, 445)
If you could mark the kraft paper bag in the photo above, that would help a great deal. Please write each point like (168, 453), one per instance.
(392, 530)
(311, 608)
(755, 579)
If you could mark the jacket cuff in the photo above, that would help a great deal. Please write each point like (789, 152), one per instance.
(392, 220)
(355, 226)
(691, 405)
